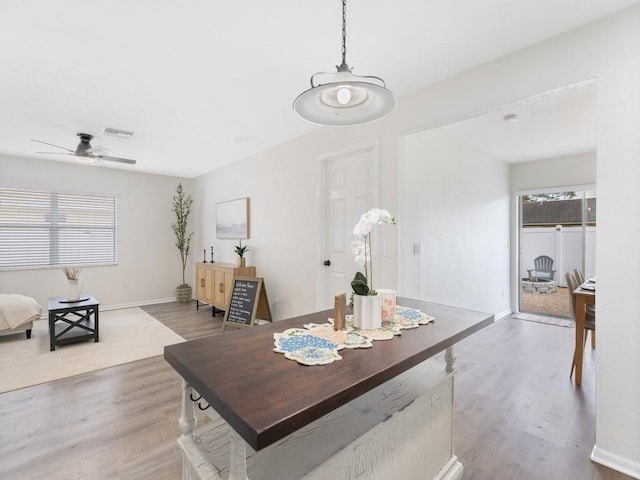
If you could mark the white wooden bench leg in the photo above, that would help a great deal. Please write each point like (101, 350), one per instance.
(450, 358)
(187, 422)
(238, 462)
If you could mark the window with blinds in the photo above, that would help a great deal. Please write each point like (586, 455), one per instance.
(42, 228)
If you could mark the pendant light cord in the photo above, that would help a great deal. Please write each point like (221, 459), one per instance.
(344, 67)
(344, 32)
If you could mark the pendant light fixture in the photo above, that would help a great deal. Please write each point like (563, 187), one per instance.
(344, 98)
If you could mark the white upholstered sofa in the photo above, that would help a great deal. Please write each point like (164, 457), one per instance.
(17, 313)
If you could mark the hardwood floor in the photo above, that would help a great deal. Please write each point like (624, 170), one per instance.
(518, 416)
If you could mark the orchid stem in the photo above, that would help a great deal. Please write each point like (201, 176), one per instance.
(370, 279)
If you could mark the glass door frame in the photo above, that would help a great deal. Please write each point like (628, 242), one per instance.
(582, 190)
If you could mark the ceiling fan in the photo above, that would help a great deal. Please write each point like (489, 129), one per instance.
(84, 150)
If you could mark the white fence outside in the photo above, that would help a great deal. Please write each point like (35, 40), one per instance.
(563, 245)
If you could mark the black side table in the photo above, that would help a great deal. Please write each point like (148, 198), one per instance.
(71, 322)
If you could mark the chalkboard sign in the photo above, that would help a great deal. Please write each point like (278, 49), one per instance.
(248, 298)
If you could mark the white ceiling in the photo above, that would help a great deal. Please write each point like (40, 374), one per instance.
(204, 83)
(548, 126)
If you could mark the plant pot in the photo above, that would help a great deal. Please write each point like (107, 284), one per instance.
(367, 312)
(241, 262)
(183, 293)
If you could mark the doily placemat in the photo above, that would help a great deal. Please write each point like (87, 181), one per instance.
(319, 343)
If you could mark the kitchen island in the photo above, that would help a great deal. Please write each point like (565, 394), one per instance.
(384, 412)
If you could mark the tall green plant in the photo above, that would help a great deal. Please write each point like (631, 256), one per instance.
(182, 210)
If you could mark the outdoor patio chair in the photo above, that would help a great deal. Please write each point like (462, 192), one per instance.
(543, 268)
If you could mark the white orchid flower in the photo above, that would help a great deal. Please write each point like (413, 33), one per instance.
(362, 246)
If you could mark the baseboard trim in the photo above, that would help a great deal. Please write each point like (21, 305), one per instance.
(452, 470)
(504, 313)
(138, 304)
(616, 462)
(103, 308)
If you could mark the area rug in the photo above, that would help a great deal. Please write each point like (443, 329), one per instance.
(126, 335)
(560, 322)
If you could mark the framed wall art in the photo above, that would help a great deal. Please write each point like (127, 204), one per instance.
(232, 219)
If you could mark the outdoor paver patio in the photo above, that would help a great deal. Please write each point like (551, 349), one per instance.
(556, 303)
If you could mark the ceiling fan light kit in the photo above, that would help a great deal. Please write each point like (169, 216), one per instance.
(344, 99)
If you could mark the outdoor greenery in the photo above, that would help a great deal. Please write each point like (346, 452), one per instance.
(548, 197)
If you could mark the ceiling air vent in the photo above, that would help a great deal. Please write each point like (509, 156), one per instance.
(114, 132)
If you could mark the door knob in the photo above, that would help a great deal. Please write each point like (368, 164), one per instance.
(327, 263)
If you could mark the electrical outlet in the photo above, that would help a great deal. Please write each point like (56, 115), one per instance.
(276, 304)
(416, 248)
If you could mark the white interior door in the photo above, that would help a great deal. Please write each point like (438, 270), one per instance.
(350, 180)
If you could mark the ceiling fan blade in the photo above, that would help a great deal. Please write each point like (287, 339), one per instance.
(53, 145)
(116, 159)
(55, 153)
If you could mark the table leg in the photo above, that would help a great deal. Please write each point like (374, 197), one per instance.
(52, 331)
(96, 323)
(580, 311)
(187, 422)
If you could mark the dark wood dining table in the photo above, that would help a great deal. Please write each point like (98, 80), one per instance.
(582, 297)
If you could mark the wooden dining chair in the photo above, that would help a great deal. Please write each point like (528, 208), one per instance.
(590, 308)
(589, 318)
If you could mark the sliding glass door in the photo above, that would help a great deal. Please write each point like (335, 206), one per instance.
(557, 234)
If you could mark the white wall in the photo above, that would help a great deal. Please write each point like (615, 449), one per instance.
(554, 172)
(285, 187)
(617, 252)
(148, 268)
(281, 188)
(455, 204)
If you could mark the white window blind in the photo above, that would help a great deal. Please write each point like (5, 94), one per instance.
(43, 228)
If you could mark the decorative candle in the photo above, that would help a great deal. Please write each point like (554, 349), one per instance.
(387, 304)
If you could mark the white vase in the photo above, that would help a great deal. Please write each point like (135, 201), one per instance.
(367, 312)
(75, 290)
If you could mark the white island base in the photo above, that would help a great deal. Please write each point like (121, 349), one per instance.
(401, 430)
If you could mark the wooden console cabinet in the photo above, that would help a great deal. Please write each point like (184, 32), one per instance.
(214, 282)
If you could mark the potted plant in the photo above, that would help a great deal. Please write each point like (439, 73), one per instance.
(240, 251)
(182, 209)
(367, 308)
